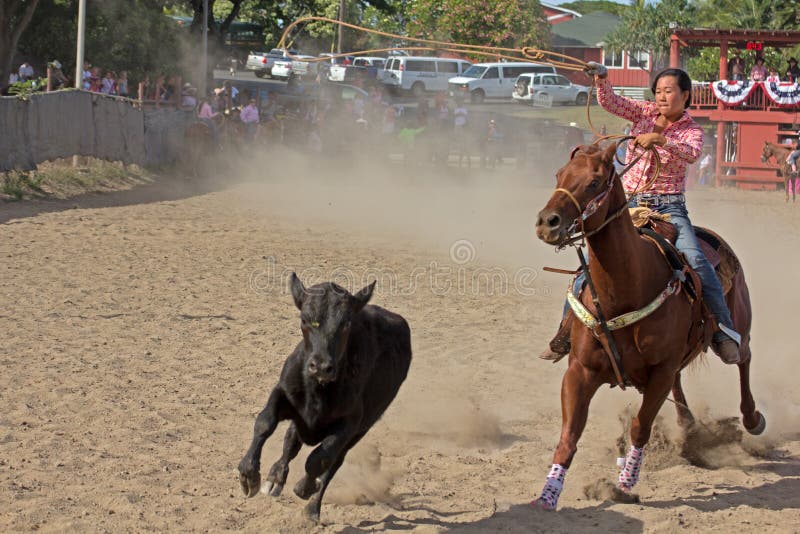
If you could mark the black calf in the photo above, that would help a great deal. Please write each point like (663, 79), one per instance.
(335, 385)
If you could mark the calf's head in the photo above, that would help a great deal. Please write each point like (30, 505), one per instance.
(326, 314)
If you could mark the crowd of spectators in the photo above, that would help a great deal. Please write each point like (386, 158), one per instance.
(759, 72)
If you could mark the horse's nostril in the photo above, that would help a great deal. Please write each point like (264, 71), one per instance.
(312, 368)
(553, 220)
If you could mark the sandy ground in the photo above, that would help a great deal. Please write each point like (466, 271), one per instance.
(142, 331)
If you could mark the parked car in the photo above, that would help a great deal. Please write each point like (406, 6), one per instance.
(492, 80)
(282, 69)
(365, 68)
(420, 74)
(261, 62)
(547, 89)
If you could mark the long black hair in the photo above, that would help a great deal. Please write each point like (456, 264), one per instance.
(684, 82)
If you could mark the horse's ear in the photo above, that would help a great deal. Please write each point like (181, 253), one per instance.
(574, 151)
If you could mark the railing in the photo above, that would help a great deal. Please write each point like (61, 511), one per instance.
(703, 97)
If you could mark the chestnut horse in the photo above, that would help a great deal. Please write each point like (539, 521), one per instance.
(780, 153)
(628, 273)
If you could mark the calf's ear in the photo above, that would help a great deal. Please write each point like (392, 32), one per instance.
(363, 296)
(298, 290)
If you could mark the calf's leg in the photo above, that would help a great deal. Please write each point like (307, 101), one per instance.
(280, 469)
(321, 459)
(312, 509)
(266, 422)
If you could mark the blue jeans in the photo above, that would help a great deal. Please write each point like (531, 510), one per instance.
(687, 243)
(792, 159)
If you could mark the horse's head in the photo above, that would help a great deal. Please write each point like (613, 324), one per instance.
(583, 187)
(766, 152)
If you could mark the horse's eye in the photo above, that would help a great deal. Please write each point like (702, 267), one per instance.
(593, 184)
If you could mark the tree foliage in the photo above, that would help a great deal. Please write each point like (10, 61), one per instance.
(507, 23)
(15, 17)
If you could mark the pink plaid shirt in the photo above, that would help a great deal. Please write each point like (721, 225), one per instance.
(684, 142)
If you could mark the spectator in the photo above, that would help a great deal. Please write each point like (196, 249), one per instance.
(737, 73)
(208, 116)
(25, 72)
(460, 121)
(733, 63)
(705, 168)
(95, 79)
(793, 72)
(232, 92)
(159, 89)
(108, 85)
(188, 96)
(773, 76)
(13, 78)
(759, 72)
(249, 117)
(86, 80)
(492, 148)
(122, 84)
(57, 78)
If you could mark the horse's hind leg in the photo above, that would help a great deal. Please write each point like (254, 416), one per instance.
(753, 421)
(685, 417)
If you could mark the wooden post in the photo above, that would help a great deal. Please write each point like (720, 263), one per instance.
(141, 93)
(723, 74)
(49, 79)
(674, 52)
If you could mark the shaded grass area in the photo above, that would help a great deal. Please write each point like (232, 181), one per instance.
(60, 179)
(577, 114)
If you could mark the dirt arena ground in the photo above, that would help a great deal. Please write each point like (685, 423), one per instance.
(142, 331)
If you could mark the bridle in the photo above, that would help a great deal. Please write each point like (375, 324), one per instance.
(579, 223)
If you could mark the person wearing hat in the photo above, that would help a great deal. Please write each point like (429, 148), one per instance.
(759, 72)
(57, 78)
(793, 72)
(188, 96)
(736, 67)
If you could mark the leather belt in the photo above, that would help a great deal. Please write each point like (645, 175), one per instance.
(649, 200)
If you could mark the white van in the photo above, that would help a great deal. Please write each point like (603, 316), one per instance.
(420, 74)
(492, 80)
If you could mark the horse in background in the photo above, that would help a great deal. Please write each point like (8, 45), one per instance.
(780, 153)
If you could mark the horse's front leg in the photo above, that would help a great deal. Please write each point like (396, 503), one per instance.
(661, 381)
(577, 389)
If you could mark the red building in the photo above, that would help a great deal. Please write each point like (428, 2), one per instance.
(556, 14)
(741, 128)
(584, 38)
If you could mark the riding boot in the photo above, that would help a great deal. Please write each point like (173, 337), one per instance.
(727, 350)
(560, 344)
(725, 347)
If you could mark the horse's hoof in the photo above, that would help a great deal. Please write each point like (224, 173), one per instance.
(272, 489)
(760, 427)
(543, 505)
(311, 513)
(250, 483)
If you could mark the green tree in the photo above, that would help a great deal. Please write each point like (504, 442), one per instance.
(15, 16)
(645, 26)
(506, 23)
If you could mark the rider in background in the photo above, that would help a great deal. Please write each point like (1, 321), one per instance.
(794, 155)
(207, 115)
(666, 125)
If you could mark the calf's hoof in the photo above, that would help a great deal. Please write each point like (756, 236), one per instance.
(760, 426)
(311, 513)
(250, 483)
(306, 488)
(273, 489)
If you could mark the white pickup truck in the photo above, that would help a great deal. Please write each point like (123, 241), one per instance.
(282, 69)
(365, 68)
(261, 63)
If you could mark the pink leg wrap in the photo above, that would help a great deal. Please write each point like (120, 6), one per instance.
(552, 488)
(629, 475)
